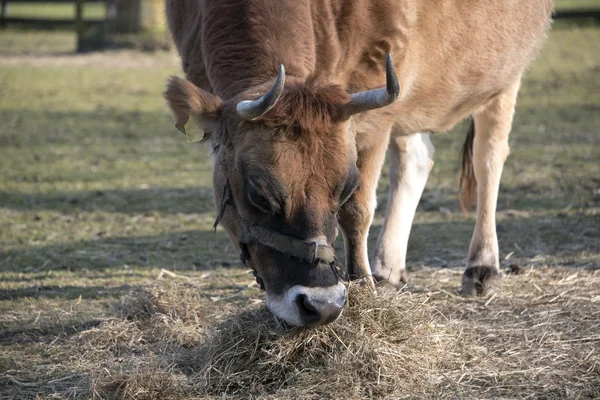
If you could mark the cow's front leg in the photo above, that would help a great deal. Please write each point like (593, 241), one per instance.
(356, 214)
(411, 159)
(490, 149)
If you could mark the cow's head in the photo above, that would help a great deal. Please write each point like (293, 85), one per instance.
(284, 158)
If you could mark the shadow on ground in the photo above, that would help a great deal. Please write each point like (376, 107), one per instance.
(45, 334)
(564, 235)
(180, 250)
(66, 292)
(130, 201)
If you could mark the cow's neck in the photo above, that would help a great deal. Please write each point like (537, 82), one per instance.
(340, 41)
(364, 31)
(250, 38)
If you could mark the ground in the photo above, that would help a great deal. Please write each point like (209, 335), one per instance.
(104, 206)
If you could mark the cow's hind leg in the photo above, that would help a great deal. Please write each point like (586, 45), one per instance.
(490, 149)
(411, 159)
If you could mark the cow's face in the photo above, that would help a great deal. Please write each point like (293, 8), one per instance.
(286, 170)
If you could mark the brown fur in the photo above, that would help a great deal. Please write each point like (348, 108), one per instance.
(184, 98)
(452, 56)
(308, 108)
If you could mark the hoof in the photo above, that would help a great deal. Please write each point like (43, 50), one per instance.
(386, 287)
(385, 282)
(364, 281)
(480, 281)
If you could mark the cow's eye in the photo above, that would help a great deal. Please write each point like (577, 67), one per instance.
(258, 200)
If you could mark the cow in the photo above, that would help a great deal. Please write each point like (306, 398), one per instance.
(301, 99)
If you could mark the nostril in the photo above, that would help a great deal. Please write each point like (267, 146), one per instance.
(307, 310)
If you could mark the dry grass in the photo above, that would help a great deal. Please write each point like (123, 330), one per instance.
(373, 351)
(537, 339)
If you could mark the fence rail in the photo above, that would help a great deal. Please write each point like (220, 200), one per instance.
(577, 14)
(80, 24)
(50, 22)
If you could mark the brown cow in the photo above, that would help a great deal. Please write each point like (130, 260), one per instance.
(297, 151)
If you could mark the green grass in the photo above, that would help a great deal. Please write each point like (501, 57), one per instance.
(20, 42)
(54, 11)
(576, 4)
(98, 191)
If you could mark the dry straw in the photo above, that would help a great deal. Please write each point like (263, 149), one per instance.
(372, 351)
(539, 338)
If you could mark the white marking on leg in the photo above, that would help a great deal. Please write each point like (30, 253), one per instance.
(411, 159)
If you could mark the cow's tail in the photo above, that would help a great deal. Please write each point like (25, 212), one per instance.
(467, 184)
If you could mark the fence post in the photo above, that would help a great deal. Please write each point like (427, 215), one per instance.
(111, 10)
(3, 14)
(129, 15)
(140, 23)
(79, 24)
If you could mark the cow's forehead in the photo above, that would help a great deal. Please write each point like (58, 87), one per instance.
(305, 174)
(325, 154)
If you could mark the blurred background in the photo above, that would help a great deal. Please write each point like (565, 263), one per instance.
(99, 193)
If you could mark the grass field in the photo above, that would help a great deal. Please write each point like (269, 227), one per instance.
(99, 193)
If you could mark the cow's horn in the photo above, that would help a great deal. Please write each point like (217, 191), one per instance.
(252, 109)
(377, 98)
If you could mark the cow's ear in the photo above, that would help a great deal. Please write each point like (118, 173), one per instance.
(185, 98)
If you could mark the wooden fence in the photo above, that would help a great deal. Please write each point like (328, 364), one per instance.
(79, 24)
(120, 17)
(578, 14)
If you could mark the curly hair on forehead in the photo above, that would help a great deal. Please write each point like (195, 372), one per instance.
(309, 108)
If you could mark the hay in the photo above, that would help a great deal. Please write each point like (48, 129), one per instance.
(538, 338)
(376, 349)
(141, 380)
(139, 303)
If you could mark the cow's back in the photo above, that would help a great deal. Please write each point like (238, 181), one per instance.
(462, 53)
(451, 55)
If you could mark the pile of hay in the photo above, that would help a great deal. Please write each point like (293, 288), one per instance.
(169, 343)
(539, 338)
(381, 346)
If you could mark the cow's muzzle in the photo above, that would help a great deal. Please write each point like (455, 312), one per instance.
(309, 306)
